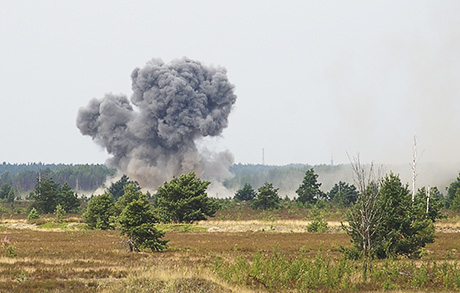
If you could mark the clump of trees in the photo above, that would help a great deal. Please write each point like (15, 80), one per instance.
(181, 200)
(384, 221)
(117, 188)
(22, 177)
(132, 213)
(7, 192)
(343, 194)
(49, 193)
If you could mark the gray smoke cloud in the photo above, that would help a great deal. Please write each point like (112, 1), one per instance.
(153, 137)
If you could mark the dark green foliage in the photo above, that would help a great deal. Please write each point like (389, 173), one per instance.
(284, 177)
(435, 203)
(267, 198)
(80, 177)
(131, 193)
(343, 194)
(68, 198)
(309, 190)
(5, 191)
(184, 199)
(99, 213)
(117, 189)
(137, 222)
(403, 230)
(403, 227)
(245, 194)
(452, 191)
(455, 205)
(7, 178)
(48, 194)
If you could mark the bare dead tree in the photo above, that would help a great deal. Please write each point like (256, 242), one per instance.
(428, 200)
(414, 168)
(365, 218)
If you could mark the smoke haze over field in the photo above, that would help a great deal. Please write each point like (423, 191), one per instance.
(314, 79)
(175, 105)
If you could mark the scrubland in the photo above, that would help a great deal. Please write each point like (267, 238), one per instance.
(239, 250)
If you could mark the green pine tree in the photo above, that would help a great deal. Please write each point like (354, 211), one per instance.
(267, 198)
(309, 190)
(184, 200)
(137, 222)
(100, 212)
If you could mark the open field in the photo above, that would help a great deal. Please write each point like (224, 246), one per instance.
(73, 259)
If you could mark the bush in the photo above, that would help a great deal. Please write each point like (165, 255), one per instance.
(33, 215)
(400, 227)
(318, 224)
(59, 213)
(100, 211)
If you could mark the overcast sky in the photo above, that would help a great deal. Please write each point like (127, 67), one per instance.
(314, 79)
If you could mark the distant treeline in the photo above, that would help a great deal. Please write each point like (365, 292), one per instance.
(287, 177)
(88, 177)
(23, 177)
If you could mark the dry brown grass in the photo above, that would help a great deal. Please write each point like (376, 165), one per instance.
(89, 261)
(279, 226)
(97, 261)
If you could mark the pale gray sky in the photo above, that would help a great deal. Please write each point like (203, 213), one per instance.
(313, 78)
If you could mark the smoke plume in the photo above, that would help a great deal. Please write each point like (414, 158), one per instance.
(175, 105)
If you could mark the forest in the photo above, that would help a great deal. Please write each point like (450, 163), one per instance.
(88, 177)
(23, 177)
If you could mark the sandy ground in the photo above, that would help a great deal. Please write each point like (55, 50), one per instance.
(279, 226)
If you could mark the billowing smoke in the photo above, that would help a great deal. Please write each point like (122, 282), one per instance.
(176, 104)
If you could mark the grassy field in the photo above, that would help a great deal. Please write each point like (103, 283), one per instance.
(211, 256)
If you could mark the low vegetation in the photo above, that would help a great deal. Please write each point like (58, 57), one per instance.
(67, 257)
(181, 240)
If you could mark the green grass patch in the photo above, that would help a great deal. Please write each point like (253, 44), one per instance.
(53, 225)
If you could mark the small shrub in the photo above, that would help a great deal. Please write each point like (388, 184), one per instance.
(421, 276)
(59, 213)
(8, 247)
(33, 215)
(319, 224)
